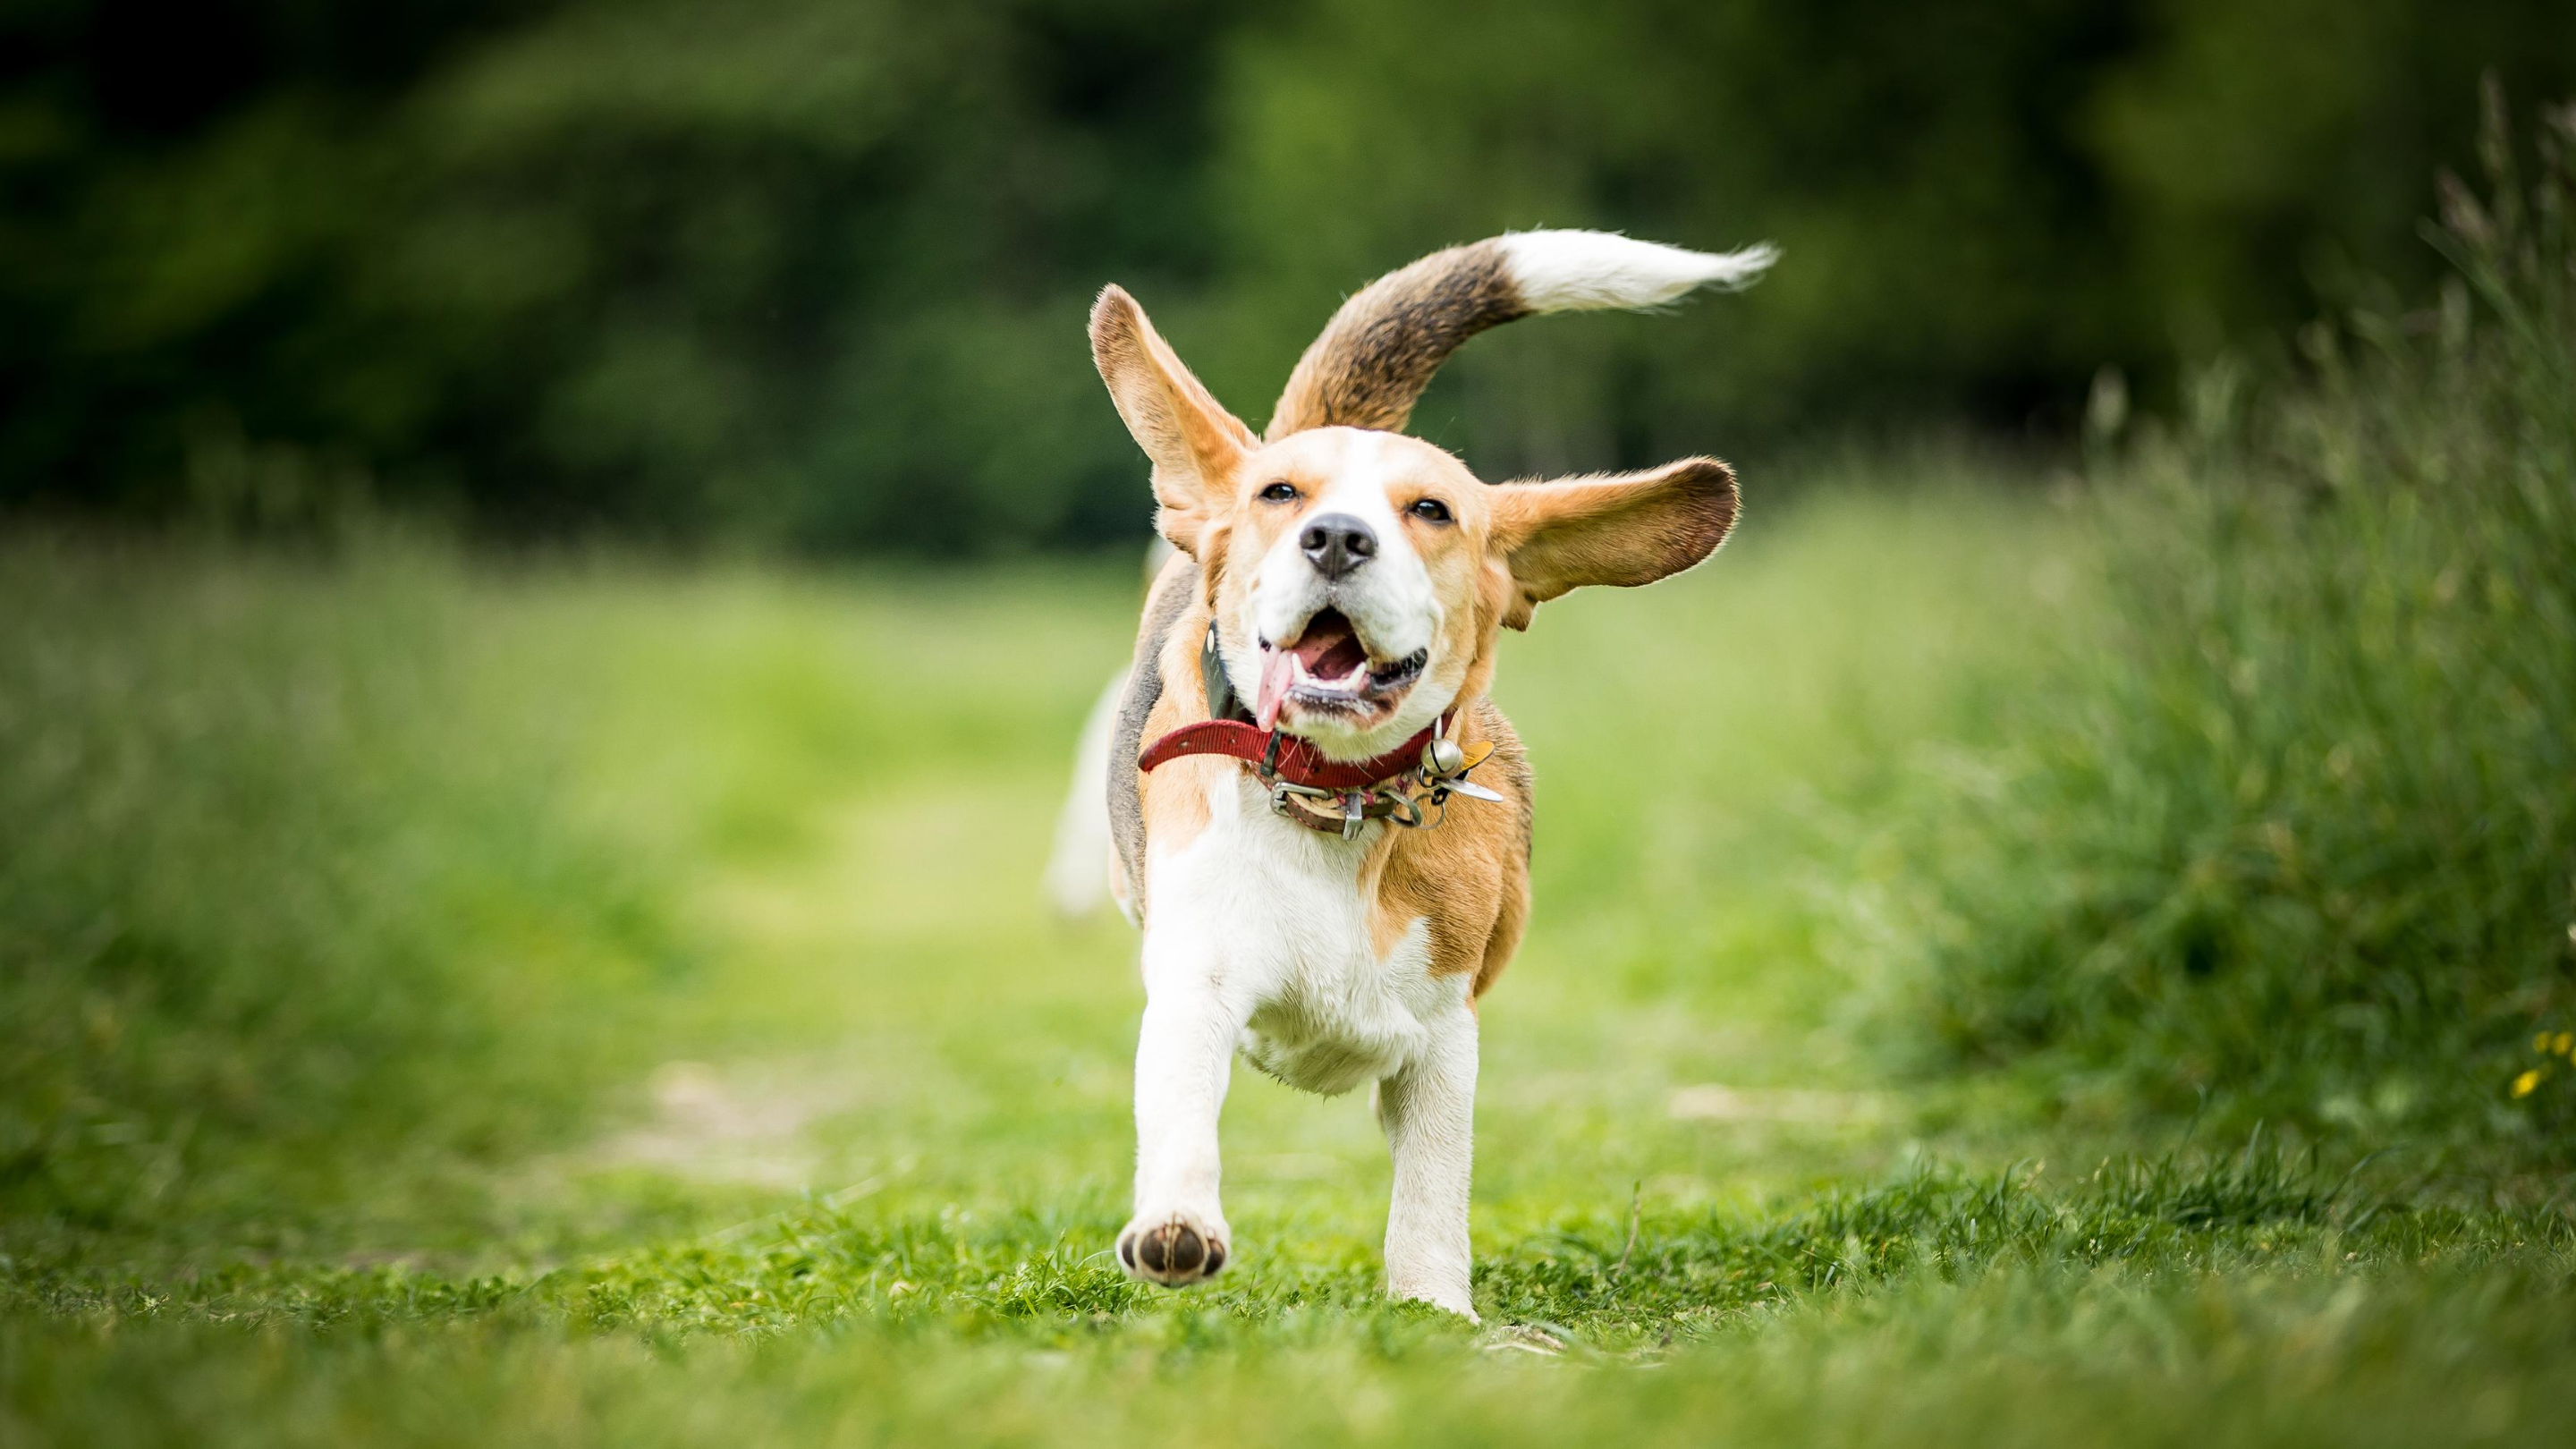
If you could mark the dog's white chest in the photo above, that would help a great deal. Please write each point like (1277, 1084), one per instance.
(1274, 912)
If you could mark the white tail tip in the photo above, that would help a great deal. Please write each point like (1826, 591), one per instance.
(1077, 872)
(1593, 271)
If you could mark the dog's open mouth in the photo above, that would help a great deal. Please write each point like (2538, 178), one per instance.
(1327, 668)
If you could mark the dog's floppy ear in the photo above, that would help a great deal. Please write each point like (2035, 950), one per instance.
(1626, 529)
(1192, 441)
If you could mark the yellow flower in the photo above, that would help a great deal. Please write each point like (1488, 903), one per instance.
(2523, 1085)
(2566, 1043)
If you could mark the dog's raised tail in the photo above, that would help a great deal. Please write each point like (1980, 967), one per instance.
(1378, 353)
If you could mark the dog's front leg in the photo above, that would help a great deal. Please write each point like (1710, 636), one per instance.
(1184, 1056)
(1429, 1112)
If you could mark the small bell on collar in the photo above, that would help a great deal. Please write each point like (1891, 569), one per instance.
(1442, 758)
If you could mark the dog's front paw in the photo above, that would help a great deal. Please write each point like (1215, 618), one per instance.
(1174, 1249)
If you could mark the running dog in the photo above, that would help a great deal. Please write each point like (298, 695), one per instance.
(1315, 812)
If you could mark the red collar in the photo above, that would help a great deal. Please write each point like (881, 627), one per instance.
(1284, 757)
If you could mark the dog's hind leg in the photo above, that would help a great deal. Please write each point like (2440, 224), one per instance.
(1429, 1113)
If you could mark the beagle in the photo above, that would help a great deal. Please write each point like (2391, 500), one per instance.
(1315, 813)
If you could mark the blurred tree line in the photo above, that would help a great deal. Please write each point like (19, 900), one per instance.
(812, 273)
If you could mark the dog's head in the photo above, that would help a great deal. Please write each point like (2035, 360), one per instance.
(1359, 576)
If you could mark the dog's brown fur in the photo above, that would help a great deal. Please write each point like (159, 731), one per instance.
(1353, 582)
(1372, 361)
(1468, 880)
(1508, 550)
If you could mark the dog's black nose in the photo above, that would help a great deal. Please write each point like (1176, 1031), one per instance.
(1337, 543)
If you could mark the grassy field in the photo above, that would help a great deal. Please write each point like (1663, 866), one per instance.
(2015, 963)
(462, 1002)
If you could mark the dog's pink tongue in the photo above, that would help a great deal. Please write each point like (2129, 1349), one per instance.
(1275, 675)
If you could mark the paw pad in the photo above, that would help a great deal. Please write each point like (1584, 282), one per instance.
(1173, 1253)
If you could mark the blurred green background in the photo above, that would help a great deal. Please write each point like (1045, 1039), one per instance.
(810, 273)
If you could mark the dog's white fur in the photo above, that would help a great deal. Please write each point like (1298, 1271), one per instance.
(1593, 271)
(1259, 937)
(1076, 874)
(1259, 944)
(1555, 271)
(1391, 601)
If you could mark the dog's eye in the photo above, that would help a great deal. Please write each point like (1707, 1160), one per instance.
(1430, 510)
(1279, 493)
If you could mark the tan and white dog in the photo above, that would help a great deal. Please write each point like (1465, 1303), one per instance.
(1316, 815)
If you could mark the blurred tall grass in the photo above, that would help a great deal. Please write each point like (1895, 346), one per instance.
(292, 896)
(338, 884)
(2301, 825)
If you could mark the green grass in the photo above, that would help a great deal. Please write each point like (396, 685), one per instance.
(2233, 1303)
(2296, 828)
(2010, 966)
(448, 849)
(463, 1002)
